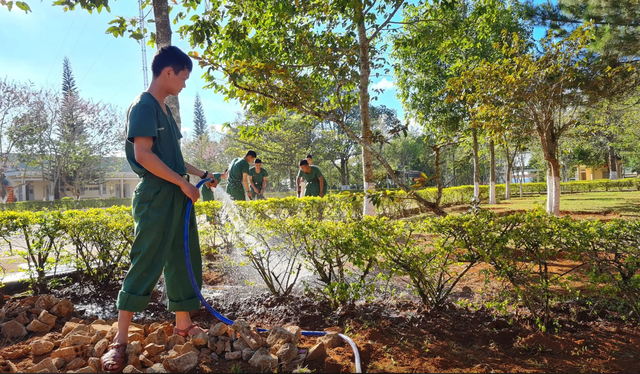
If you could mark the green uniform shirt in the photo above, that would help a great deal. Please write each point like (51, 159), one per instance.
(237, 167)
(313, 183)
(258, 177)
(145, 118)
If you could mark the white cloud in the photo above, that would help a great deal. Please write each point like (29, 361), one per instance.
(384, 84)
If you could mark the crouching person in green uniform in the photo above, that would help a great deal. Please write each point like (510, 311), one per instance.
(238, 177)
(258, 179)
(158, 207)
(206, 189)
(316, 185)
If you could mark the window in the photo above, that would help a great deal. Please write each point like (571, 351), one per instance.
(104, 189)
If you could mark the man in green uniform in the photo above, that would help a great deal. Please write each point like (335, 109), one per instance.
(299, 180)
(316, 185)
(205, 190)
(158, 206)
(258, 179)
(238, 177)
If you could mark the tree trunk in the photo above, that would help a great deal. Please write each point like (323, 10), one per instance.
(550, 151)
(365, 71)
(343, 173)
(613, 164)
(521, 173)
(163, 38)
(492, 172)
(476, 165)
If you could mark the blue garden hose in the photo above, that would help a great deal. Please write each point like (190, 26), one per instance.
(224, 319)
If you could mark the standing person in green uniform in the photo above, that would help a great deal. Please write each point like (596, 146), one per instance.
(258, 179)
(299, 180)
(158, 206)
(238, 177)
(316, 185)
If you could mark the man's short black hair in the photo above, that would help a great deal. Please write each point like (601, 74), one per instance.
(257, 161)
(304, 162)
(309, 156)
(170, 56)
(252, 154)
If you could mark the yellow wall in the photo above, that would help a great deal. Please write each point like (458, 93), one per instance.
(585, 173)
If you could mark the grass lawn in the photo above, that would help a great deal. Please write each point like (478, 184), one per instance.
(625, 204)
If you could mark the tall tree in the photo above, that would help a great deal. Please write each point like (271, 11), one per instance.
(199, 119)
(428, 53)
(316, 60)
(545, 89)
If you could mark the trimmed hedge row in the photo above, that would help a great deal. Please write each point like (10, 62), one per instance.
(64, 204)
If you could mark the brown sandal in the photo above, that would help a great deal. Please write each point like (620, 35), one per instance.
(115, 359)
(185, 332)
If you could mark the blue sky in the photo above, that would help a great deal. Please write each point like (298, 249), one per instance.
(106, 69)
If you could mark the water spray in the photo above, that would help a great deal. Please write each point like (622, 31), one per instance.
(226, 320)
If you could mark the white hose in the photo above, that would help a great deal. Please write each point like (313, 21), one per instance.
(355, 351)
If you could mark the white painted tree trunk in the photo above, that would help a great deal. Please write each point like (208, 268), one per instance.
(553, 189)
(367, 157)
(476, 165)
(492, 173)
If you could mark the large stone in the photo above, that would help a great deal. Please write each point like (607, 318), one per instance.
(22, 318)
(318, 351)
(76, 339)
(153, 349)
(183, 363)
(100, 321)
(232, 356)
(240, 345)
(134, 348)
(136, 336)
(76, 364)
(287, 353)
(331, 340)
(68, 327)
(41, 346)
(7, 367)
(145, 361)
(133, 327)
(220, 347)
(200, 339)
(46, 302)
(157, 337)
(59, 362)
(47, 318)
(249, 334)
(94, 362)
(279, 336)
(133, 359)
(15, 352)
(99, 348)
(188, 347)
(174, 340)
(296, 332)
(13, 329)
(247, 353)
(86, 369)
(99, 335)
(46, 364)
(70, 353)
(218, 329)
(264, 360)
(156, 368)
(37, 326)
(78, 329)
(131, 369)
(62, 309)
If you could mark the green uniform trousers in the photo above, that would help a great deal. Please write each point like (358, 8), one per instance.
(236, 192)
(158, 210)
(313, 189)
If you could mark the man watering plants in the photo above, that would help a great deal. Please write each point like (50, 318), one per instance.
(238, 186)
(159, 206)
